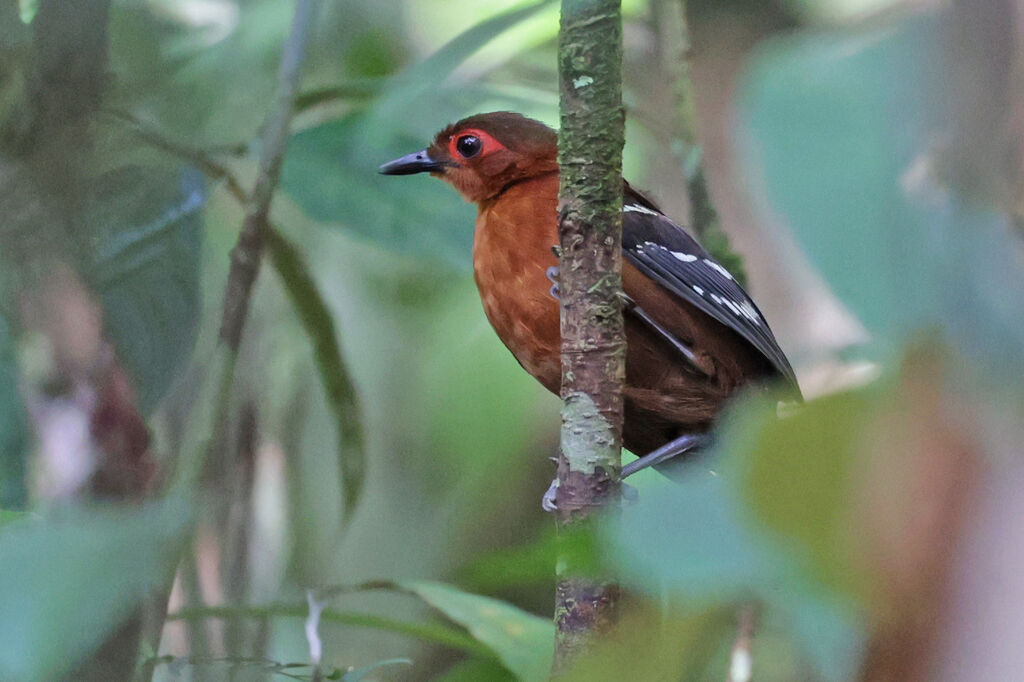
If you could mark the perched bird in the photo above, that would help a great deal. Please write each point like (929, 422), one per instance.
(694, 336)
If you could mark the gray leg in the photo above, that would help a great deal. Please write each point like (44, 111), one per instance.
(688, 442)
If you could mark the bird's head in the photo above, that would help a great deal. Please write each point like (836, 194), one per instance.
(483, 154)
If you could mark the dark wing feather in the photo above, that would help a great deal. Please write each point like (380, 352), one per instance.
(663, 251)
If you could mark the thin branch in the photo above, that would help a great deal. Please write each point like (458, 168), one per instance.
(201, 159)
(246, 256)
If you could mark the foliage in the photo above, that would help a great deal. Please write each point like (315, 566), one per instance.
(376, 429)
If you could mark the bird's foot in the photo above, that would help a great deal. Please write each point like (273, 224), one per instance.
(629, 495)
(547, 503)
(552, 274)
(660, 458)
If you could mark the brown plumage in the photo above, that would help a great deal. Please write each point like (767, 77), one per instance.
(507, 165)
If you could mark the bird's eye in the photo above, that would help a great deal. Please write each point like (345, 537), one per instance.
(468, 146)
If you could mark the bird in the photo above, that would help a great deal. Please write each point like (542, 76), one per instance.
(694, 337)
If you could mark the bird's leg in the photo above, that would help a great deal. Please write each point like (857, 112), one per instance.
(552, 274)
(688, 442)
(630, 306)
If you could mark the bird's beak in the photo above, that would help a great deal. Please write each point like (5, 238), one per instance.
(417, 162)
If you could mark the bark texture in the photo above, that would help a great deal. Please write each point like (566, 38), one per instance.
(593, 341)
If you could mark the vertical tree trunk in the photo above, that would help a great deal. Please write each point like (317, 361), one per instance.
(593, 342)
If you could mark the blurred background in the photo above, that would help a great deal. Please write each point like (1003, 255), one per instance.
(857, 160)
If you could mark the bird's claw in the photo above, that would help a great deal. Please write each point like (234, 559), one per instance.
(630, 495)
(552, 274)
(547, 503)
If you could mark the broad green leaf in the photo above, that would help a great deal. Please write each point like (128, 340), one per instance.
(522, 641)
(845, 131)
(825, 140)
(70, 580)
(360, 674)
(764, 517)
(333, 177)
(341, 394)
(429, 74)
(145, 226)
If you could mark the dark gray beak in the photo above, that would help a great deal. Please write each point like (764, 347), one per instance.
(417, 162)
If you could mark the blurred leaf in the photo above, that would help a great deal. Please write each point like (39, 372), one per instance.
(27, 10)
(341, 394)
(476, 670)
(797, 478)
(71, 580)
(14, 442)
(7, 516)
(359, 674)
(430, 73)
(328, 176)
(145, 227)
(861, 188)
(524, 642)
(331, 169)
(767, 516)
(655, 645)
(428, 632)
(832, 155)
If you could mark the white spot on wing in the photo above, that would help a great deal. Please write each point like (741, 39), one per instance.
(715, 266)
(636, 208)
(685, 257)
(698, 289)
(750, 313)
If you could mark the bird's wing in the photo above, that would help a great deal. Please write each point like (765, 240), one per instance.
(664, 252)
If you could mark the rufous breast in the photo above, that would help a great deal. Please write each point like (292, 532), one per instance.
(511, 254)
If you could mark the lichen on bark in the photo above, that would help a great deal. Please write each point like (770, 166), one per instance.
(593, 341)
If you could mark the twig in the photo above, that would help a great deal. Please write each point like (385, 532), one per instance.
(198, 157)
(246, 256)
(741, 661)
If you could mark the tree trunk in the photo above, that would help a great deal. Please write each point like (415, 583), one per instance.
(593, 341)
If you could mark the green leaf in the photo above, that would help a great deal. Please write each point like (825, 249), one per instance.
(333, 178)
(359, 674)
(145, 237)
(331, 169)
(861, 189)
(766, 517)
(475, 670)
(27, 10)
(341, 393)
(428, 75)
(71, 580)
(522, 641)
